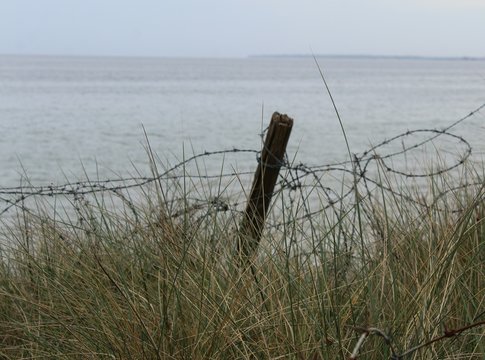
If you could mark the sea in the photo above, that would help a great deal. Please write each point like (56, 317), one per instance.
(64, 119)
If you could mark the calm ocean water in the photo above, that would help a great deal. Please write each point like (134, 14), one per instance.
(67, 117)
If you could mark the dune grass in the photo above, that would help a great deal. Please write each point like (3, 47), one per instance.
(138, 282)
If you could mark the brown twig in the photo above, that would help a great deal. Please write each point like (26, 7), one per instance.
(366, 331)
(448, 334)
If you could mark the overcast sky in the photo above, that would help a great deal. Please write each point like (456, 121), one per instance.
(234, 28)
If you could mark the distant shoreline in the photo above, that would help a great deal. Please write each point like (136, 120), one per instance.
(371, 57)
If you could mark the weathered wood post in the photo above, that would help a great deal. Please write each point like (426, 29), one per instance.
(263, 184)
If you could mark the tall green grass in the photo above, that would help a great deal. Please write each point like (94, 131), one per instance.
(137, 282)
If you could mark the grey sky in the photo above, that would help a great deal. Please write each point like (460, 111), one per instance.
(242, 27)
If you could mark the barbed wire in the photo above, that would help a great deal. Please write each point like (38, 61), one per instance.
(294, 178)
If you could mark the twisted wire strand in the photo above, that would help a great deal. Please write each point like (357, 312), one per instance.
(294, 177)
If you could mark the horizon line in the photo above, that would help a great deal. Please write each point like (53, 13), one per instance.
(269, 55)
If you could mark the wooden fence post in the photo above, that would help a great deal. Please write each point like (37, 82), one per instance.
(263, 184)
